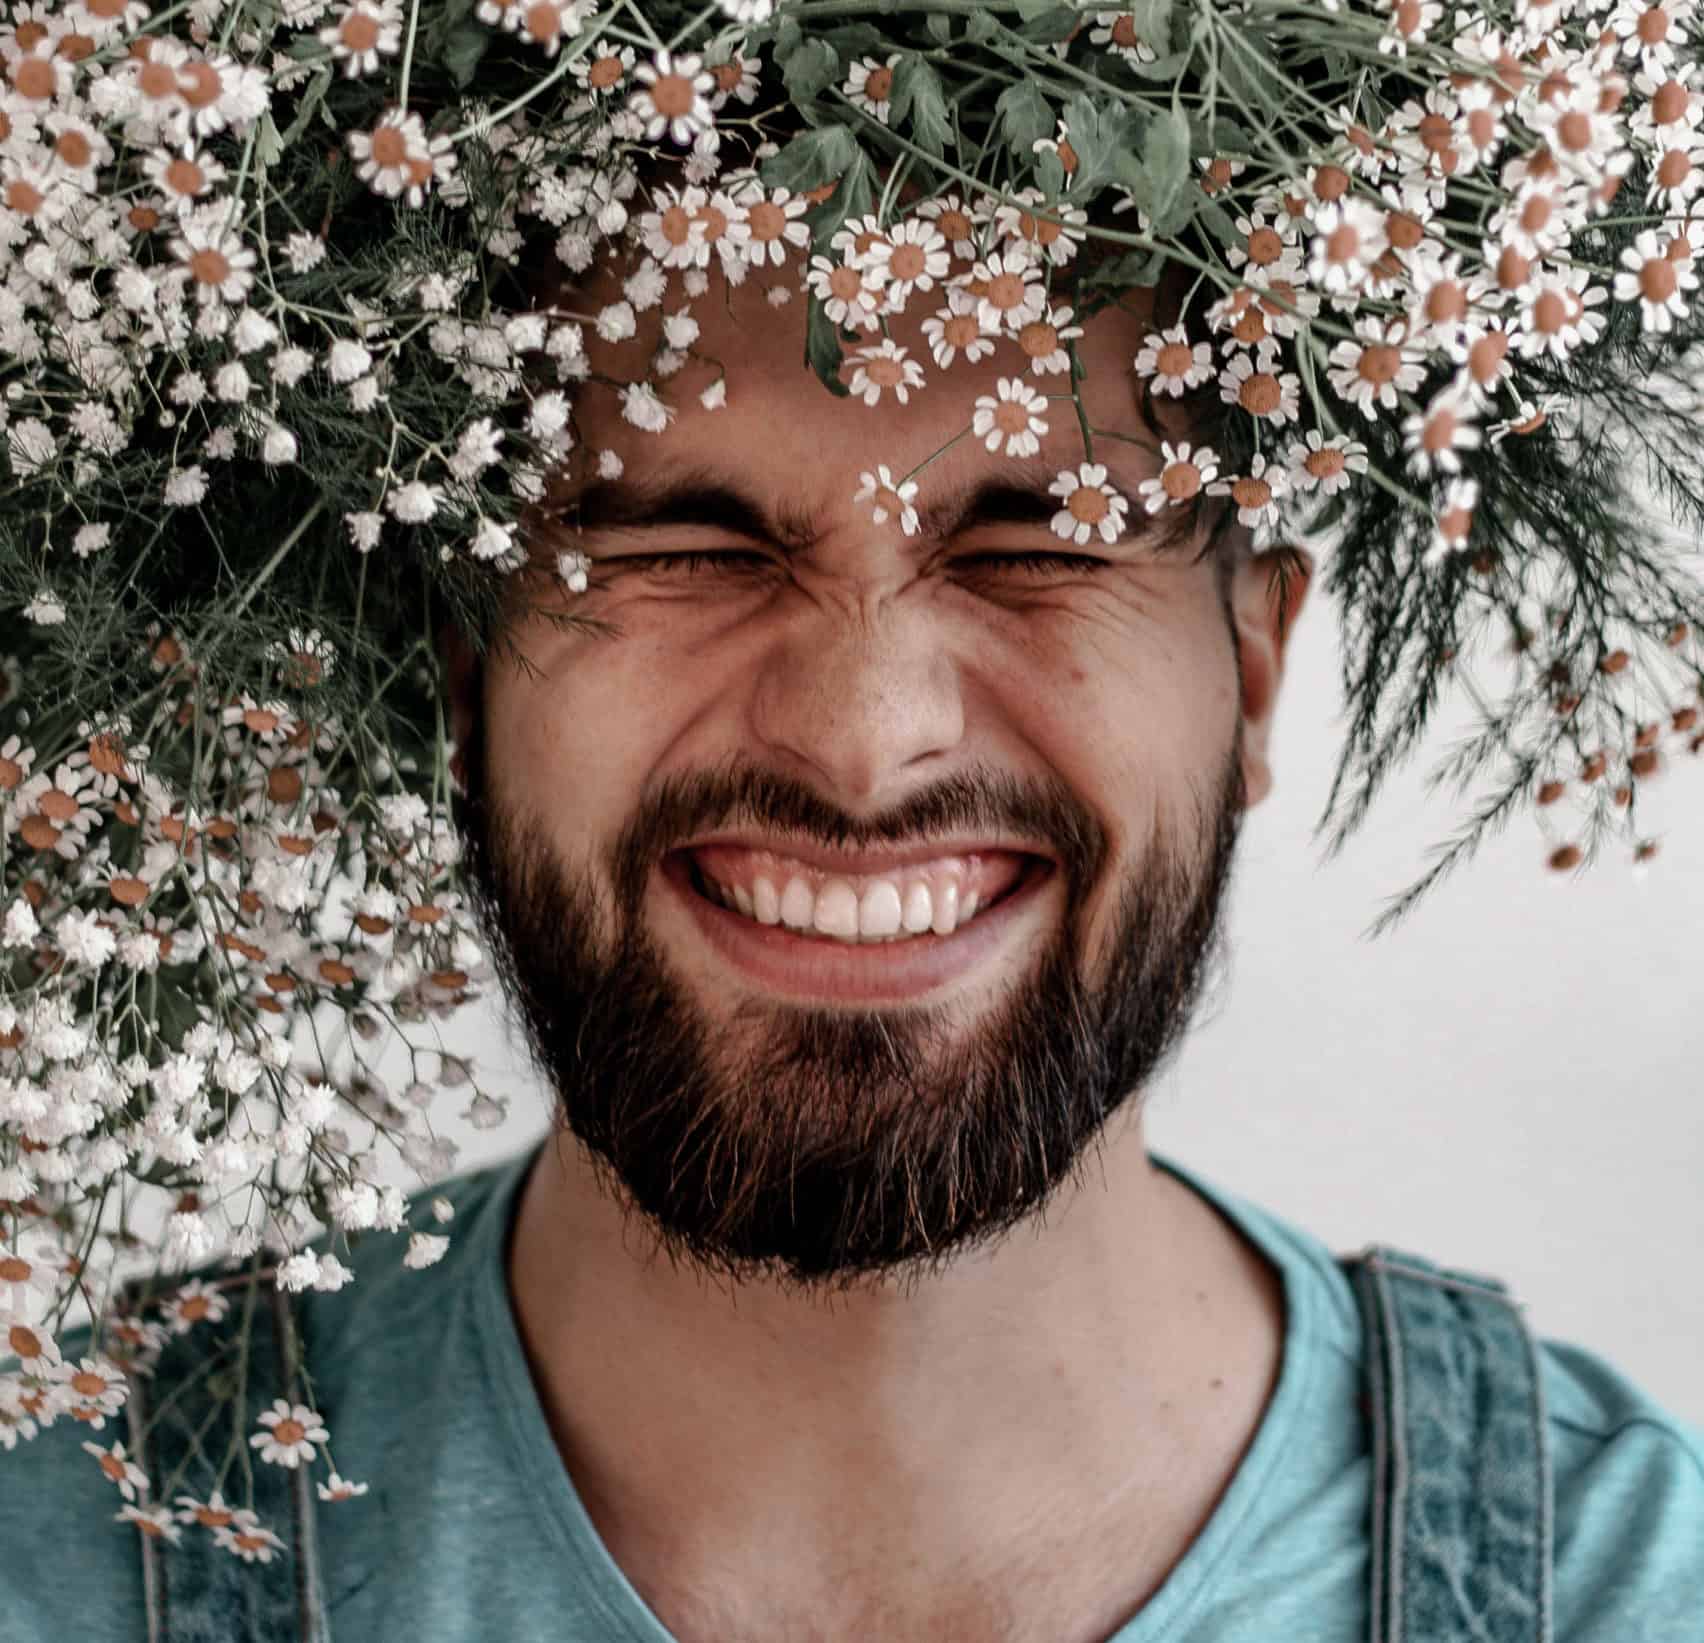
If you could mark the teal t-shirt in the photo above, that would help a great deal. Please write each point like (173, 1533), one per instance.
(472, 1529)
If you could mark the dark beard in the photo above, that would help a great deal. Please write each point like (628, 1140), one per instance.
(813, 1147)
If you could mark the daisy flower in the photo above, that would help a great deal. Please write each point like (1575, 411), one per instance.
(245, 1538)
(1173, 363)
(1349, 238)
(870, 85)
(1653, 279)
(125, 1473)
(362, 34)
(1257, 493)
(1043, 340)
(338, 1488)
(291, 1432)
(190, 1303)
(1116, 31)
(737, 78)
(772, 224)
(601, 71)
(1009, 420)
(212, 1513)
(1265, 393)
(912, 256)
(1008, 291)
(1185, 472)
(1373, 371)
(673, 96)
(850, 296)
(1090, 505)
(957, 329)
(885, 366)
(891, 498)
(92, 1389)
(957, 222)
(218, 262)
(1558, 315)
(1055, 236)
(1328, 463)
(31, 1345)
(1453, 521)
(25, 1276)
(1435, 437)
(154, 1521)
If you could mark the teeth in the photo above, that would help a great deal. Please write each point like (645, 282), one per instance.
(836, 913)
(878, 912)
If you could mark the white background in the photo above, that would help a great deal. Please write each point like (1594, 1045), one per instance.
(1512, 1081)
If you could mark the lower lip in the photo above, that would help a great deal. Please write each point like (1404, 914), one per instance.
(783, 961)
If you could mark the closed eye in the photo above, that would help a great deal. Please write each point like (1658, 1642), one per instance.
(738, 561)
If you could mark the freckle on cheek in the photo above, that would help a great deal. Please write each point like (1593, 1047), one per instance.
(1079, 676)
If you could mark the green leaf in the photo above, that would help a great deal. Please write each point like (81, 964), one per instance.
(312, 98)
(464, 48)
(813, 66)
(1051, 25)
(981, 27)
(1166, 161)
(789, 36)
(1153, 23)
(1091, 140)
(268, 145)
(940, 26)
(822, 349)
(812, 159)
(917, 92)
(859, 40)
(1025, 117)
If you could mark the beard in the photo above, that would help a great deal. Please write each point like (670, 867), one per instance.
(827, 1150)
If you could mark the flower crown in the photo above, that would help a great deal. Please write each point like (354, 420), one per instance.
(279, 398)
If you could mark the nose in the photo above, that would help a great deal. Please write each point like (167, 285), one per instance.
(855, 693)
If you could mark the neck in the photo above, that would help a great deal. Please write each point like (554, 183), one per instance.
(1025, 1394)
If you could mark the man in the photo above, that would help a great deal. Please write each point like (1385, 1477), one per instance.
(844, 1300)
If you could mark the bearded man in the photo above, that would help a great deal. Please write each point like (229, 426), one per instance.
(854, 860)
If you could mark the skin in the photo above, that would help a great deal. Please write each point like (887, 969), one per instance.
(895, 1374)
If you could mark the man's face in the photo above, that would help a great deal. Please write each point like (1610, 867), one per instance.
(840, 722)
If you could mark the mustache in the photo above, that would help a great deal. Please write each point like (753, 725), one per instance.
(740, 794)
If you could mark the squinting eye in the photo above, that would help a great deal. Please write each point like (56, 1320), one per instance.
(1035, 562)
(691, 561)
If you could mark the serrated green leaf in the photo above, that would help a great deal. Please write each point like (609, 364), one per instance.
(1166, 161)
(981, 27)
(268, 145)
(1153, 23)
(312, 99)
(859, 40)
(1052, 25)
(1025, 117)
(918, 93)
(940, 26)
(812, 159)
(808, 70)
(464, 48)
(789, 34)
(822, 349)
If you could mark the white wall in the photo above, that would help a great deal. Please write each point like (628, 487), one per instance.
(1511, 1082)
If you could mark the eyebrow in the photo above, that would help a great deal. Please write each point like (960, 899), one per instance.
(1016, 496)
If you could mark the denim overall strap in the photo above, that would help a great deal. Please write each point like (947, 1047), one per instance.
(1462, 1522)
(197, 1591)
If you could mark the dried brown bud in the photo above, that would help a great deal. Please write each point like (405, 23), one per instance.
(1615, 662)
(1568, 856)
(1550, 792)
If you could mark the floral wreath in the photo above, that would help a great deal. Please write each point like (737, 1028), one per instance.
(278, 402)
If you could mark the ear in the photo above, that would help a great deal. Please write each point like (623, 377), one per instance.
(1266, 596)
(462, 678)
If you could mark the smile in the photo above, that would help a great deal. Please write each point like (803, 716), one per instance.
(800, 929)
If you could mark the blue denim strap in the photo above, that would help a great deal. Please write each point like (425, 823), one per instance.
(197, 1591)
(1463, 1499)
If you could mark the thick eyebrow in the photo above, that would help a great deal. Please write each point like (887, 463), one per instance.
(1018, 495)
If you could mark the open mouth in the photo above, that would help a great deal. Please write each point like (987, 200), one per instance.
(922, 905)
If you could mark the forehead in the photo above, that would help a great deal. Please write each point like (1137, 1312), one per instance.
(782, 429)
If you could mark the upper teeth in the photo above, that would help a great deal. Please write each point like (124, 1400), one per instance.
(836, 910)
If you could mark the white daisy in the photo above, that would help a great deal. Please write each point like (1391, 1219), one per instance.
(291, 1431)
(892, 499)
(1009, 420)
(1090, 505)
